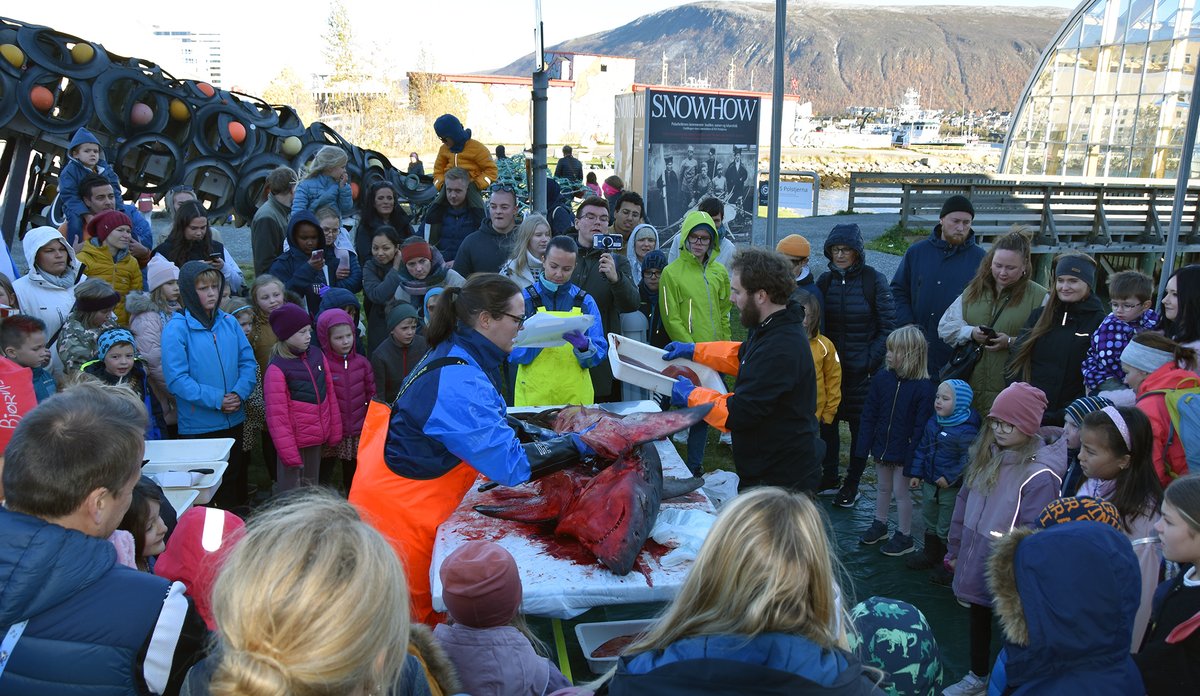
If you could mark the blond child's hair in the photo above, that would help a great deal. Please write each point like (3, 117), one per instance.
(911, 349)
(327, 157)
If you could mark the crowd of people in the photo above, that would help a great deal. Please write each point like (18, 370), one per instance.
(379, 357)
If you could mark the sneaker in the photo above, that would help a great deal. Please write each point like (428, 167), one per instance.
(830, 487)
(971, 685)
(875, 533)
(847, 496)
(726, 439)
(898, 545)
(680, 437)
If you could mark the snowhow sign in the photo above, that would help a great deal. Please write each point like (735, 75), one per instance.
(679, 117)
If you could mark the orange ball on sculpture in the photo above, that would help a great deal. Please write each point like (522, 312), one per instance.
(206, 89)
(237, 131)
(41, 98)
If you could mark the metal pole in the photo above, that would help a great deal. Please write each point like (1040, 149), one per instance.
(541, 84)
(19, 149)
(1181, 186)
(777, 123)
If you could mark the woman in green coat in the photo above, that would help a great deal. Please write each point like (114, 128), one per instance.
(693, 297)
(1002, 284)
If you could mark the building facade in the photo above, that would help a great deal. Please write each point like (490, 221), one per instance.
(1110, 95)
(198, 54)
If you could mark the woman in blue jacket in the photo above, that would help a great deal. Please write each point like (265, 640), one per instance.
(435, 447)
(310, 266)
(209, 368)
(781, 632)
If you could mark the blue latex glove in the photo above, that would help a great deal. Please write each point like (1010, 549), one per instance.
(681, 390)
(676, 349)
(577, 340)
(585, 450)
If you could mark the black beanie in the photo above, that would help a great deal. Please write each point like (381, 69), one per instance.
(957, 204)
(1081, 267)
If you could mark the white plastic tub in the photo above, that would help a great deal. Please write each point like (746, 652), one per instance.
(189, 451)
(654, 381)
(205, 487)
(181, 499)
(593, 635)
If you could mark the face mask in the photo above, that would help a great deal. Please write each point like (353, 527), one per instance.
(549, 285)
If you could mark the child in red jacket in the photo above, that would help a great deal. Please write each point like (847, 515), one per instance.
(353, 387)
(302, 410)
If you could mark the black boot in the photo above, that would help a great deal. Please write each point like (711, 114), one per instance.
(926, 559)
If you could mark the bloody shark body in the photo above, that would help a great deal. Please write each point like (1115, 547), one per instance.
(610, 514)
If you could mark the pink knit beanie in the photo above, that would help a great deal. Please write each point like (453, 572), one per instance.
(1022, 405)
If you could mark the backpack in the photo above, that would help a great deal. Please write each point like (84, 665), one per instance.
(1183, 411)
(868, 285)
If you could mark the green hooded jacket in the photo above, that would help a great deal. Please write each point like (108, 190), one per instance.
(694, 296)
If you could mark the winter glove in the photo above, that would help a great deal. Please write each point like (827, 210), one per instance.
(681, 390)
(676, 349)
(531, 431)
(577, 340)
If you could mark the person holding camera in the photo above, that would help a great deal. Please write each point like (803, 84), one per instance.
(693, 297)
(604, 273)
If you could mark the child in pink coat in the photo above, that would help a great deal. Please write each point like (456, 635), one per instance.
(302, 411)
(353, 386)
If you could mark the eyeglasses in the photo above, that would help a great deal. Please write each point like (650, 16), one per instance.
(520, 320)
(840, 250)
(1002, 427)
(651, 274)
(701, 239)
(1128, 307)
(331, 230)
(592, 217)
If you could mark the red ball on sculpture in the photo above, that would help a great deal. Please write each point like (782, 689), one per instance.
(354, 190)
(206, 89)
(237, 131)
(141, 114)
(41, 98)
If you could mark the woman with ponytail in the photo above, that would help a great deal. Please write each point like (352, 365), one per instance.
(435, 448)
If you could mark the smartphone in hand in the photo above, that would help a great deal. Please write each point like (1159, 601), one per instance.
(318, 254)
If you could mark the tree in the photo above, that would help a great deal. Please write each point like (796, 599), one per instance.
(339, 45)
(287, 88)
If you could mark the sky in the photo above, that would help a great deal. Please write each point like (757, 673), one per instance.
(262, 38)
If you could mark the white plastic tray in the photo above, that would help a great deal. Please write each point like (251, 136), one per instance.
(181, 499)
(189, 451)
(544, 330)
(656, 382)
(206, 487)
(593, 635)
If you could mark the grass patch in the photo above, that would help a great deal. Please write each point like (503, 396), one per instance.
(897, 239)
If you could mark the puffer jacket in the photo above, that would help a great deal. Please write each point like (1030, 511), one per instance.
(1041, 576)
(1103, 361)
(931, 274)
(205, 356)
(1022, 490)
(894, 417)
(124, 275)
(147, 322)
(292, 268)
(1056, 366)
(762, 665)
(1172, 667)
(95, 626)
(316, 192)
(858, 332)
(39, 297)
(829, 377)
(499, 660)
(694, 296)
(302, 409)
(1169, 462)
(353, 378)
(337, 298)
(943, 450)
(473, 156)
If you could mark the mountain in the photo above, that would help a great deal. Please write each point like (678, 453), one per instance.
(839, 55)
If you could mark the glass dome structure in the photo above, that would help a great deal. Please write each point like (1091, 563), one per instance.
(1110, 96)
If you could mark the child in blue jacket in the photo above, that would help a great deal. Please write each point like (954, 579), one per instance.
(84, 157)
(325, 184)
(899, 403)
(209, 368)
(938, 464)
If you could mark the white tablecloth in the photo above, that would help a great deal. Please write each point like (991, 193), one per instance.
(555, 585)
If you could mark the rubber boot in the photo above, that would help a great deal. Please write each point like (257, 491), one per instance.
(926, 559)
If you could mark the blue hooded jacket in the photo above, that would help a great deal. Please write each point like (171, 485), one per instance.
(205, 356)
(292, 268)
(563, 300)
(1066, 597)
(771, 663)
